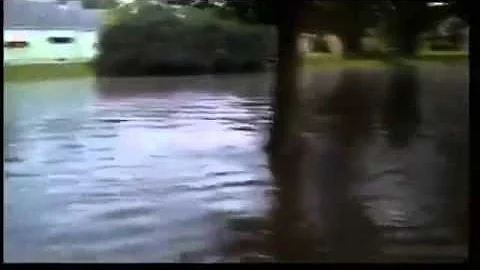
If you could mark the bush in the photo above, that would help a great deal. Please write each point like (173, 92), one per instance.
(158, 41)
(320, 45)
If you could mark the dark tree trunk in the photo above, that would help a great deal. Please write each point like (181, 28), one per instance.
(410, 20)
(353, 29)
(352, 46)
(284, 150)
(285, 96)
(407, 41)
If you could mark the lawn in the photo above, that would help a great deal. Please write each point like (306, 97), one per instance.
(329, 61)
(38, 72)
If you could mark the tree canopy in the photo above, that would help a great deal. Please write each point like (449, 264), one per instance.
(400, 21)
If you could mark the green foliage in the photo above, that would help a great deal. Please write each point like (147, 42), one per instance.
(400, 21)
(40, 72)
(320, 45)
(403, 21)
(99, 4)
(160, 40)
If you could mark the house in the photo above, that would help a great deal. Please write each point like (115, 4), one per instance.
(306, 43)
(47, 32)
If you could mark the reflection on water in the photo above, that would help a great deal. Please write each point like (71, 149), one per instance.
(145, 176)
(401, 113)
(172, 170)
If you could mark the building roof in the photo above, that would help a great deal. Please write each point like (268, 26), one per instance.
(23, 14)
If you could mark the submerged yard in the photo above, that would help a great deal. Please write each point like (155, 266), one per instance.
(107, 170)
(155, 150)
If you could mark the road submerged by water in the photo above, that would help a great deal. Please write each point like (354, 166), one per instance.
(173, 170)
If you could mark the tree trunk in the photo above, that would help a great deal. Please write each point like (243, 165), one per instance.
(285, 94)
(352, 44)
(407, 42)
(353, 29)
(410, 20)
(283, 151)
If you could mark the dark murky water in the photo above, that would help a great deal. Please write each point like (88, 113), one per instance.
(173, 169)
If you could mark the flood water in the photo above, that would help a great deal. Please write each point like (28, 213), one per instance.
(174, 169)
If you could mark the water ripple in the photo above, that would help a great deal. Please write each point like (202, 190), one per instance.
(115, 174)
(121, 173)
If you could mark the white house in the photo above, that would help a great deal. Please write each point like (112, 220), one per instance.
(46, 32)
(306, 42)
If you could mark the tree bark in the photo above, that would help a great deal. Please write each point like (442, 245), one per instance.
(406, 39)
(352, 44)
(285, 94)
(409, 20)
(353, 28)
(283, 147)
